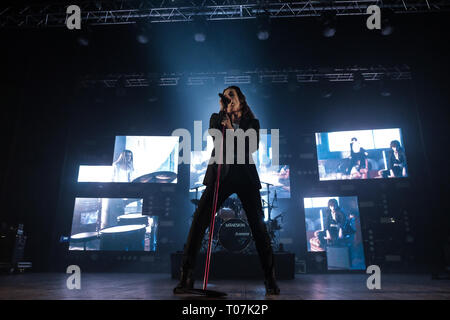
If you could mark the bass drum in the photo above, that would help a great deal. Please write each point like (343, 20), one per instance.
(235, 235)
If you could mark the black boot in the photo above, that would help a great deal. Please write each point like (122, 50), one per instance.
(271, 284)
(186, 282)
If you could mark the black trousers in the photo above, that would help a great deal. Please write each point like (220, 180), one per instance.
(235, 182)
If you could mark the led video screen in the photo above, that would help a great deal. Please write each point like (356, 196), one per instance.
(333, 225)
(138, 159)
(361, 154)
(112, 224)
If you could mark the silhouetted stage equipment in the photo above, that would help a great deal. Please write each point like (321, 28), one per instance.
(157, 177)
(12, 247)
(227, 265)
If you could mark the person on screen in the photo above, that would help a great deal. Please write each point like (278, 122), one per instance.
(358, 160)
(397, 160)
(334, 225)
(241, 179)
(283, 175)
(123, 167)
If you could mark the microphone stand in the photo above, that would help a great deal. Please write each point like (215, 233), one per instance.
(205, 291)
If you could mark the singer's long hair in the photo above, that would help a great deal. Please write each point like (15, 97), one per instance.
(246, 111)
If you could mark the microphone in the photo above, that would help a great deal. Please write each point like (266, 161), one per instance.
(224, 99)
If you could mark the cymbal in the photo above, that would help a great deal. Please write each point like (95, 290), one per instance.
(157, 177)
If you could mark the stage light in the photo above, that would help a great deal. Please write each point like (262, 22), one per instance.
(200, 37)
(263, 26)
(328, 20)
(199, 29)
(263, 35)
(142, 32)
(387, 27)
(84, 36)
(329, 31)
(83, 40)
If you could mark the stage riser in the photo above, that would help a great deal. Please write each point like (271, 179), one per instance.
(236, 266)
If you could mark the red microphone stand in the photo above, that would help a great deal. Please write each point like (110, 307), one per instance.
(205, 291)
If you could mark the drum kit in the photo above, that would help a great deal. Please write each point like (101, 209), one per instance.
(233, 233)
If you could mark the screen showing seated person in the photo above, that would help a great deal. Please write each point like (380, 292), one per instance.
(362, 154)
(137, 159)
(113, 224)
(333, 225)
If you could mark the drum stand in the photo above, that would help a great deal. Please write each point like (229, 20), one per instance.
(204, 291)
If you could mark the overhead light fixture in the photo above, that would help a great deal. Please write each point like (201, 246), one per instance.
(328, 20)
(142, 32)
(199, 28)
(387, 27)
(85, 36)
(263, 27)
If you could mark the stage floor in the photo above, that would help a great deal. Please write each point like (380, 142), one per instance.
(106, 286)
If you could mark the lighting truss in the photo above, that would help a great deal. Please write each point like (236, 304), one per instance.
(347, 74)
(112, 12)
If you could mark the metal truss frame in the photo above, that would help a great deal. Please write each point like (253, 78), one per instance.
(347, 74)
(113, 12)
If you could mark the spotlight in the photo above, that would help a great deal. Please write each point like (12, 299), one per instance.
(142, 33)
(263, 26)
(328, 24)
(85, 36)
(83, 40)
(387, 27)
(141, 38)
(199, 37)
(329, 31)
(263, 35)
(199, 29)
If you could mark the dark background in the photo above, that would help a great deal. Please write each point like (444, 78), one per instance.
(50, 124)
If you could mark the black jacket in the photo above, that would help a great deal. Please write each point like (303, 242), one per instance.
(248, 168)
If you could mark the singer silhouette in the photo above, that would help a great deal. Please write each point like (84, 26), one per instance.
(241, 179)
